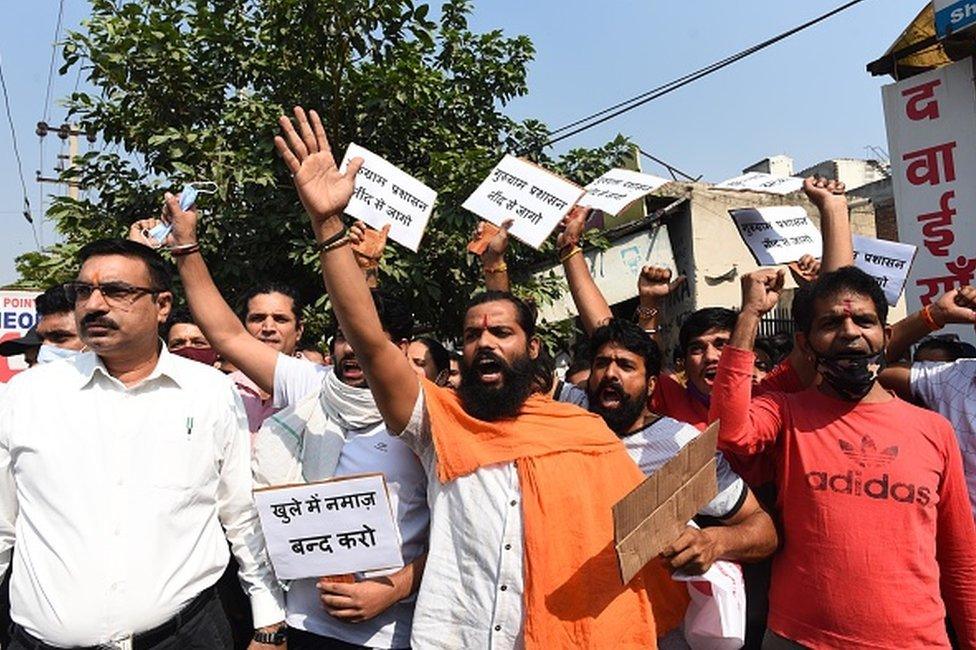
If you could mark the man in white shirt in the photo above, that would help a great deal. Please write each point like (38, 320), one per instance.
(624, 366)
(119, 497)
(376, 611)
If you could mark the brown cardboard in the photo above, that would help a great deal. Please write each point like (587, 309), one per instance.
(656, 511)
(480, 245)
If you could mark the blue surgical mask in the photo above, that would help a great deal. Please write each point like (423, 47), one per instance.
(49, 353)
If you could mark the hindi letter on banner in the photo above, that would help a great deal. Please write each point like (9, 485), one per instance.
(932, 143)
(535, 199)
(385, 194)
(779, 234)
(887, 261)
(760, 182)
(618, 188)
(342, 525)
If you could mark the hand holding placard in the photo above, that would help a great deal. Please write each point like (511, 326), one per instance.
(533, 198)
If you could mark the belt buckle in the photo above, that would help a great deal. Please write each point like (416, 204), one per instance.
(120, 642)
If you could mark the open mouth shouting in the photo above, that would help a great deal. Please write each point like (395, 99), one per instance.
(489, 369)
(351, 370)
(708, 374)
(610, 397)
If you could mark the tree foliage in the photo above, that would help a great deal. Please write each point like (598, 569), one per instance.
(191, 90)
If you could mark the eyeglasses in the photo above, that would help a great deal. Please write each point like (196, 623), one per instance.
(115, 293)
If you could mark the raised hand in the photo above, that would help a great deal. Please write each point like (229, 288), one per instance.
(139, 232)
(805, 270)
(184, 221)
(761, 289)
(824, 193)
(655, 283)
(368, 244)
(956, 307)
(494, 253)
(572, 227)
(322, 188)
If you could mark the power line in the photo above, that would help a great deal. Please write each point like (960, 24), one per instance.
(46, 109)
(20, 165)
(620, 108)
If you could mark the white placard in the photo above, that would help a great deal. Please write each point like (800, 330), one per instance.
(535, 199)
(887, 261)
(385, 194)
(760, 182)
(778, 234)
(931, 120)
(618, 188)
(339, 526)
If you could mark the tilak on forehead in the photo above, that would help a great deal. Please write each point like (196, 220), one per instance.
(848, 307)
(484, 321)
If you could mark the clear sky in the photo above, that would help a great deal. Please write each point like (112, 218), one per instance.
(809, 96)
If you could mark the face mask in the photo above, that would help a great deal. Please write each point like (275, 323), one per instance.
(49, 353)
(207, 356)
(851, 375)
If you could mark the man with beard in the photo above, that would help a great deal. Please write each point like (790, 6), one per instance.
(329, 426)
(521, 487)
(624, 368)
(871, 492)
(120, 497)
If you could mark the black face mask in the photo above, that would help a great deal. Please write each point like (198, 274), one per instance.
(851, 375)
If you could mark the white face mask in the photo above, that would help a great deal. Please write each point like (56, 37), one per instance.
(49, 353)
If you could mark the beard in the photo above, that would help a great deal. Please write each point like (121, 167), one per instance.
(619, 418)
(504, 401)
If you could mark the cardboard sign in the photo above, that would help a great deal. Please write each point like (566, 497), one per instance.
(341, 525)
(17, 315)
(888, 261)
(618, 188)
(760, 182)
(535, 199)
(932, 143)
(779, 234)
(385, 194)
(657, 511)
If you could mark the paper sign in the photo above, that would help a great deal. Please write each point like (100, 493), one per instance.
(760, 182)
(385, 194)
(887, 261)
(17, 315)
(342, 525)
(535, 199)
(657, 511)
(618, 188)
(779, 234)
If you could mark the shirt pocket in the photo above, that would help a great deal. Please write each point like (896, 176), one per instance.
(183, 456)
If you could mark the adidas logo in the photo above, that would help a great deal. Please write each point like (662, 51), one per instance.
(381, 446)
(855, 483)
(868, 454)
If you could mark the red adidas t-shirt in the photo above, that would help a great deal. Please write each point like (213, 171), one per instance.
(874, 510)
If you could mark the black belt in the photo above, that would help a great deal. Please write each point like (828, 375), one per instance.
(141, 640)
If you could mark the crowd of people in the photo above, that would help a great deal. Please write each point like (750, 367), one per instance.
(128, 454)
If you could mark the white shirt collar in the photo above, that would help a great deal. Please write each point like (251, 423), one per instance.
(88, 363)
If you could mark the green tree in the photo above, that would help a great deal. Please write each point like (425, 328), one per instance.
(191, 90)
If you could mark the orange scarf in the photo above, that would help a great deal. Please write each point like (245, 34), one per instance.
(571, 470)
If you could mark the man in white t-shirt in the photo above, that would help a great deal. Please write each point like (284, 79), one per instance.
(624, 365)
(375, 611)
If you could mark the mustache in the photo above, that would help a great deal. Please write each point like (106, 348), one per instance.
(616, 385)
(98, 320)
(488, 355)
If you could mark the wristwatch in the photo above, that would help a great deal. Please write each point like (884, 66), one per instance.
(277, 637)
